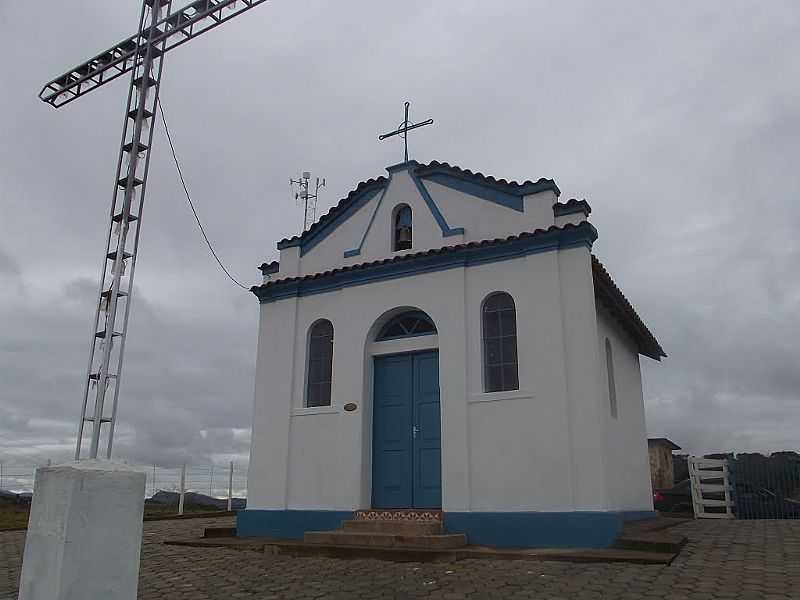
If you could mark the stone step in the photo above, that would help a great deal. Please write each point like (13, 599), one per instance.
(385, 540)
(219, 532)
(658, 541)
(397, 527)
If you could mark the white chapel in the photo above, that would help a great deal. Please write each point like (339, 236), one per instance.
(443, 343)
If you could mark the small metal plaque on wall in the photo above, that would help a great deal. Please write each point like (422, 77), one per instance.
(350, 406)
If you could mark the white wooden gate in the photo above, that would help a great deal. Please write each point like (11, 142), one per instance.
(705, 494)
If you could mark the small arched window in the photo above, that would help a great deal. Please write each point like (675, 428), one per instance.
(612, 386)
(402, 228)
(500, 372)
(320, 364)
(407, 324)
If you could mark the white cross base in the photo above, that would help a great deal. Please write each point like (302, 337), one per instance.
(84, 533)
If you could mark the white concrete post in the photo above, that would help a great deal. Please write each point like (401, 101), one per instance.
(183, 489)
(84, 533)
(230, 488)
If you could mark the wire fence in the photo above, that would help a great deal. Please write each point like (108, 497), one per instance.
(752, 486)
(217, 481)
(766, 487)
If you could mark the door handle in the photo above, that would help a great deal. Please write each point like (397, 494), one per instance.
(414, 431)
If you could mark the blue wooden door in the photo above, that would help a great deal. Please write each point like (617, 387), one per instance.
(406, 439)
(427, 433)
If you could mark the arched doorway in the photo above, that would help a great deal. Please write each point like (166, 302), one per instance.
(406, 414)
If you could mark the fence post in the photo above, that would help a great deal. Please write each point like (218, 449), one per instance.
(183, 489)
(1, 475)
(211, 481)
(230, 488)
(154, 480)
(726, 482)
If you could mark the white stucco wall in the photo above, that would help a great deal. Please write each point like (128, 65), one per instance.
(628, 479)
(548, 446)
(479, 218)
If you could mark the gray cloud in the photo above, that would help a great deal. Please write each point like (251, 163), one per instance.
(679, 124)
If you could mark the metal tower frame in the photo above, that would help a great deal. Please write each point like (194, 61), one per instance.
(141, 55)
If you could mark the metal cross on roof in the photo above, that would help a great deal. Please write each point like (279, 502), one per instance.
(404, 128)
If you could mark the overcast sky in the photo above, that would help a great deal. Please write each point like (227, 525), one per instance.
(679, 123)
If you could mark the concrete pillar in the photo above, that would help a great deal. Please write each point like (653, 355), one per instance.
(84, 533)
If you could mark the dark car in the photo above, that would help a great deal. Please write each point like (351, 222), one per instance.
(677, 499)
(753, 502)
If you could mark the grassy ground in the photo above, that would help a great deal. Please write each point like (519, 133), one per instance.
(13, 516)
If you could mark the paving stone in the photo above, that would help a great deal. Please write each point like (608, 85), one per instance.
(722, 561)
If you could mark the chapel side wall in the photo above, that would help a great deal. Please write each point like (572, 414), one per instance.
(628, 480)
(519, 441)
(269, 446)
(586, 402)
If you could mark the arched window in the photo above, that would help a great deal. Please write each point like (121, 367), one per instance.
(402, 228)
(320, 364)
(612, 386)
(500, 343)
(407, 324)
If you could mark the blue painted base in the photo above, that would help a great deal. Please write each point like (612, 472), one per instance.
(287, 524)
(498, 529)
(536, 529)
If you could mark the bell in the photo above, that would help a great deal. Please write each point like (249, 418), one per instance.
(404, 236)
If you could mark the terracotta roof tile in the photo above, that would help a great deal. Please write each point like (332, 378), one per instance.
(421, 169)
(613, 299)
(415, 255)
(362, 187)
(572, 206)
(481, 178)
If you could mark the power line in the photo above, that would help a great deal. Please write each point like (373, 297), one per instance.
(191, 204)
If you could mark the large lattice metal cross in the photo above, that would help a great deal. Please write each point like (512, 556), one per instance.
(142, 56)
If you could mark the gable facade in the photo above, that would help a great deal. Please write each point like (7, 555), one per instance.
(537, 461)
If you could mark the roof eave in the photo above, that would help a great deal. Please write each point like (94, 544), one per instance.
(613, 298)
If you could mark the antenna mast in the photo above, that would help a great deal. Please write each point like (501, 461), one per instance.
(304, 195)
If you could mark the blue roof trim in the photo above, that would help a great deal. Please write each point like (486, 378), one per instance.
(403, 166)
(450, 257)
(513, 201)
(321, 233)
(487, 181)
(357, 251)
(344, 209)
(447, 231)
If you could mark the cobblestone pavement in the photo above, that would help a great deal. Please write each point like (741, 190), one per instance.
(758, 560)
